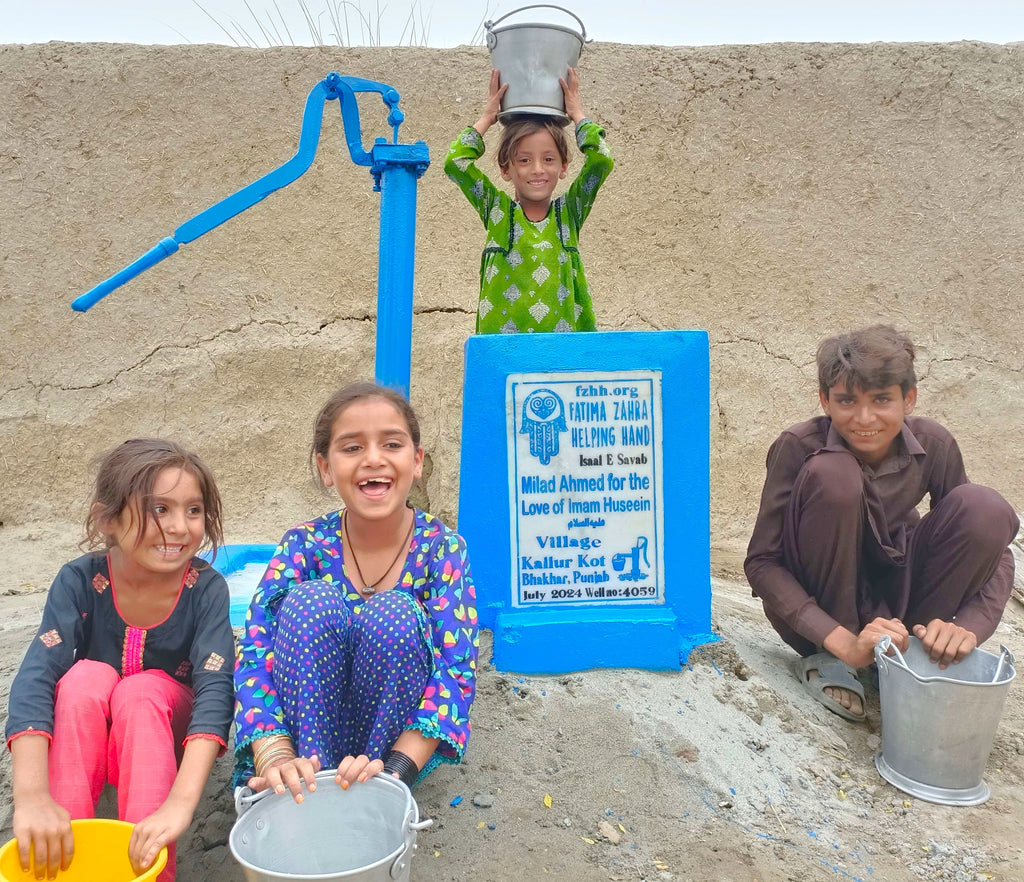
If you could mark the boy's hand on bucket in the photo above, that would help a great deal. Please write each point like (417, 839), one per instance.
(858, 650)
(289, 775)
(945, 642)
(357, 769)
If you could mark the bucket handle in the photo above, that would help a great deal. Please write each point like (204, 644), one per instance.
(1005, 657)
(410, 828)
(490, 24)
(246, 798)
(885, 651)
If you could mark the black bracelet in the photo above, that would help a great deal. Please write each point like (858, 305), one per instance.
(396, 762)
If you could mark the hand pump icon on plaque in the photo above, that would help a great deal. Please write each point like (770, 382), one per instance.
(634, 574)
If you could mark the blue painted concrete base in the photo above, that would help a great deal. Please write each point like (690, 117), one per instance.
(686, 647)
(558, 637)
(598, 638)
(231, 559)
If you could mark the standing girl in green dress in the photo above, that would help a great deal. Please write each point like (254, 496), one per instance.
(531, 275)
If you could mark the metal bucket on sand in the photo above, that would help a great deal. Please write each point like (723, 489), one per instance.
(366, 833)
(531, 57)
(938, 725)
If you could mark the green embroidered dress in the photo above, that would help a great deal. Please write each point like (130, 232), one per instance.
(531, 274)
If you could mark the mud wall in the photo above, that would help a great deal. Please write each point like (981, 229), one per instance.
(769, 194)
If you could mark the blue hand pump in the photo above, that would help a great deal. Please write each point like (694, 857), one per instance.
(395, 169)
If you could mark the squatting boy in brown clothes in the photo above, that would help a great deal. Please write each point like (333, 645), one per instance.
(839, 555)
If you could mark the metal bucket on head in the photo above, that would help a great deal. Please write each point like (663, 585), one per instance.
(531, 58)
(938, 726)
(366, 833)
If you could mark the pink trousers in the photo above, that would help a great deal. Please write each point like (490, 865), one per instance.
(125, 732)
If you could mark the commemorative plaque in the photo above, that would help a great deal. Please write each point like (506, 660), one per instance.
(585, 487)
(583, 497)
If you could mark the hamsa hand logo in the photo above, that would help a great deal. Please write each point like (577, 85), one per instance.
(543, 419)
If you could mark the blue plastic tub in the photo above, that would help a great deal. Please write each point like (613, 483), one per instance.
(243, 567)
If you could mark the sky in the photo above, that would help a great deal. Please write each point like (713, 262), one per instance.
(443, 23)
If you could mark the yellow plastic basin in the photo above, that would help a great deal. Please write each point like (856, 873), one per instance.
(101, 855)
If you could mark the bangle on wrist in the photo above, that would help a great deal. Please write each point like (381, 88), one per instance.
(276, 758)
(269, 752)
(396, 762)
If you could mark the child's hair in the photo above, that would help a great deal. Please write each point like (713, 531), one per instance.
(129, 471)
(323, 425)
(871, 358)
(522, 127)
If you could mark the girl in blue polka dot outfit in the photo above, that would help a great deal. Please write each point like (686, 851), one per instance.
(360, 645)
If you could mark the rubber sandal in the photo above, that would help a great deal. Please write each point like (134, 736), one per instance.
(831, 672)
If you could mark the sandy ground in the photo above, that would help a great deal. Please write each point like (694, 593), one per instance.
(725, 770)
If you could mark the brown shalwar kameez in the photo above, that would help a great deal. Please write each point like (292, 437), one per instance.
(839, 543)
